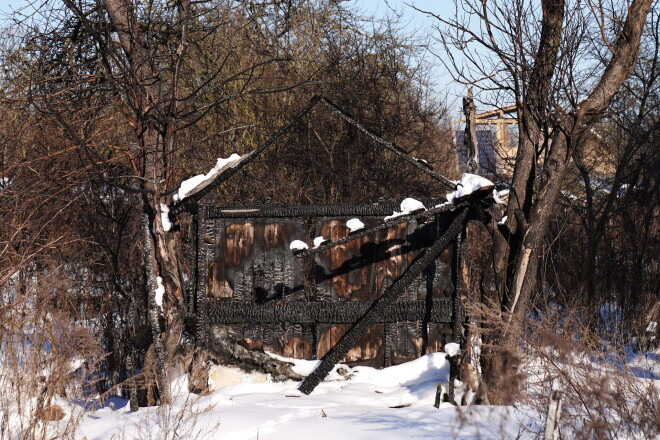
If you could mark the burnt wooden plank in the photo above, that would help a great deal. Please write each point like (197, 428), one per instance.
(406, 341)
(369, 348)
(285, 339)
(272, 212)
(255, 211)
(304, 312)
(344, 272)
(253, 262)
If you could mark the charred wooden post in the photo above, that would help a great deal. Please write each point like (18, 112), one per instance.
(386, 300)
(457, 318)
(325, 312)
(470, 142)
(553, 416)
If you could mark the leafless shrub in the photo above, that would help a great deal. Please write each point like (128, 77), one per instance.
(180, 419)
(605, 395)
(48, 360)
(608, 391)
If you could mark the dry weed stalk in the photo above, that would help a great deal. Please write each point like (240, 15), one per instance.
(603, 396)
(48, 360)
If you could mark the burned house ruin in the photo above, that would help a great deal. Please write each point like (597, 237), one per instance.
(378, 295)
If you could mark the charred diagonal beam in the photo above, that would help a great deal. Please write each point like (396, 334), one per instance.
(345, 312)
(385, 225)
(422, 166)
(226, 174)
(373, 315)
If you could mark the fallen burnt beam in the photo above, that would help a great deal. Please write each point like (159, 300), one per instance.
(385, 225)
(345, 312)
(378, 307)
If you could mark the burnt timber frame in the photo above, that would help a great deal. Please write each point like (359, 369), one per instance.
(361, 315)
(385, 309)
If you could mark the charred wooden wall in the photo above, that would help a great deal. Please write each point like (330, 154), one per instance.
(249, 280)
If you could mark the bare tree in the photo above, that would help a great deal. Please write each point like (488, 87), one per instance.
(533, 54)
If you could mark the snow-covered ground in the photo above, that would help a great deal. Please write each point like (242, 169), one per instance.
(354, 403)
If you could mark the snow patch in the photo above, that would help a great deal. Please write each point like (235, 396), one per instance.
(298, 245)
(652, 327)
(503, 221)
(443, 205)
(359, 403)
(160, 291)
(221, 376)
(452, 349)
(75, 364)
(197, 183)
(432, 367)
(354, 224)
(468, 184)
(408, 206)
(318, 241)
(165, 217)
(496, 197)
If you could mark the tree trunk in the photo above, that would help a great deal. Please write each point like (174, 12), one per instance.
(470, 138)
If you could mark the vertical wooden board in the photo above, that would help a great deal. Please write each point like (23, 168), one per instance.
(437, 333)
(283, 339)
(442, 282)
(239, 244)
(276, 272)
(345, 270)
(405, 342)
(233, 244)
(368, 349)
(392, 259)
(253, 261)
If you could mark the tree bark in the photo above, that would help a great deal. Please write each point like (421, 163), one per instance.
(470, 137)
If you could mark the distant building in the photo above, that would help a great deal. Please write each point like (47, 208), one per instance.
(486, 148)
(495, 143)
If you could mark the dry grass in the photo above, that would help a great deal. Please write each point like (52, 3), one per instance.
(48, 361)
(604, 395)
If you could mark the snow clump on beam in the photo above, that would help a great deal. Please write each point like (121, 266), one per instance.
(468, 184)
(197, 183)
(298, 245)
(408, 206)
(354, 225)
(318, 241)
(452, 349)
